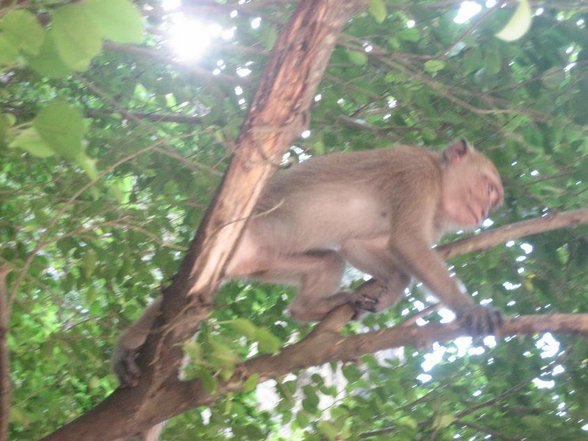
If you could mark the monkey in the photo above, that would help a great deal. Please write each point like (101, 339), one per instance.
(381, 211)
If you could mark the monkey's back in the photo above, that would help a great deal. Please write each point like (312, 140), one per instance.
(328, 199)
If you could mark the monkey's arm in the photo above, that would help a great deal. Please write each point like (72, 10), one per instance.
(123, 358)
(417, 258)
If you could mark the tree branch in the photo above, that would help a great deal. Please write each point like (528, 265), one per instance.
(488, 239)
(325, 344)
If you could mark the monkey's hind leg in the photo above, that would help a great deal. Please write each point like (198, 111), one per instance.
(320, 279)
(376, 296)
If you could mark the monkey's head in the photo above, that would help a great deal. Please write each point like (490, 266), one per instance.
(471, 186)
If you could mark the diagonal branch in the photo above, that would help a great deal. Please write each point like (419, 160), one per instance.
(488, 239)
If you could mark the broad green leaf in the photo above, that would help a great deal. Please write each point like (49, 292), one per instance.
(244, 327)
(4, 126)
(311, 400)
(117, 20)
(443, 421)
(319, 147)
(351, 372)
(23, 30)
(89, 263)
(377, 9)
(303, 418)
(532, 421)
(412, 34)
(251, 383)
(357, 57)
(492, 62)
(222, 355)
(433, 66)
(193, 350)
(409, 422)
(30, 141)
(61, 127)
(8, 52)
(208, 381)
(328, 430)
(48, 62)
(519, 23)
(88, 165)
(268, 342)
(77, 37)
(472, 61)
(269, 35)
(94, 382)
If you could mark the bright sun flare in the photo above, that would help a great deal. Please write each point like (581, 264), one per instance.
(190, 38)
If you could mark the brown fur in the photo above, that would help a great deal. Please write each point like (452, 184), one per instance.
(379, 210)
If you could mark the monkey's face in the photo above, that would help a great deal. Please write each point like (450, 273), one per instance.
(471, 189)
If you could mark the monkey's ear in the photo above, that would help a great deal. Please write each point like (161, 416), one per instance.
(457, 150)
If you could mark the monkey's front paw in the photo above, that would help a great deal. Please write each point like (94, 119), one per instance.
(481, 320)
(125, 367)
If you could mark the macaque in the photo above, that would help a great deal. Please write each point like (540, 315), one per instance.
(380, 211)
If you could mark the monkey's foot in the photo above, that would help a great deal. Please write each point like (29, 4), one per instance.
(125, 367)
(481, 320)
(367, 296)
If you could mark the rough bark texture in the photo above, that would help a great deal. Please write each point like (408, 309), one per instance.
(553, 221)
(278, 114)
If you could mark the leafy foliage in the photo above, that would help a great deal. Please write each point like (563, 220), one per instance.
(112, 146)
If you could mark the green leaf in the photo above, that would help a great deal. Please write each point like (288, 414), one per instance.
(89, 263)
(377, 9)
(193, 350)
(251, 383)
(245, 327)
(8, 52)
(94, 382)
(118, 20)
(48, 62)
(269, 35)
(23, 30)
(351, 372)
(222, 355)
(412, 34)
(433, 66)
(88, 165)
(328, 430)
(533, 421)
(443, 421)
(519, 23)
(208, 381)
(4, 127)
(77, 37)
(357, 57)
(472, 61)
(268, 342)
(492, 62)
(61, 127)
(30, 141)
(310, 402)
